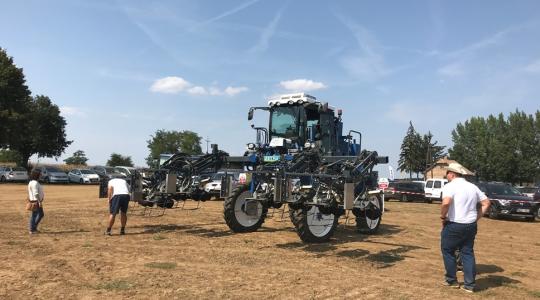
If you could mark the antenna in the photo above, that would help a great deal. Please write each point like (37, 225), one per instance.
(207, 140)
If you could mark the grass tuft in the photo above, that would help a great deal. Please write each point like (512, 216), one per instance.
(158, 237)
(161, 265)
(115, 285)
(535, 293)
(87, 245)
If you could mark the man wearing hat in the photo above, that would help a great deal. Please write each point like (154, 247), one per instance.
(459, 214)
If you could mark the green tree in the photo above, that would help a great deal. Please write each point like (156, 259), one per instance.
(410, 159)
(164, 141)
(119, 160)
(78, 158)
(429, 152)
(14, 98)
(499, 149)
(42, 132)
(7, 155)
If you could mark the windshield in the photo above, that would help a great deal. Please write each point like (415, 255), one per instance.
(87, 172)
(283, 121)
(503, 190)
(53, 169)
(19, 169)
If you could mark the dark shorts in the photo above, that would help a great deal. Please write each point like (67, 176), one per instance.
(119, 203)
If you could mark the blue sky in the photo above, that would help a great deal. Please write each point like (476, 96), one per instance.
(120, 70)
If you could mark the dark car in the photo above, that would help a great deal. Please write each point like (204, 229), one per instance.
(506, 200)
(406, 191)
(536, 198)
(107, 172)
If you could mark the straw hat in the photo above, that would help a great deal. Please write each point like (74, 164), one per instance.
(456, 168)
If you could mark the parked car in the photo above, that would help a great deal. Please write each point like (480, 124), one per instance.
(52, 175)
(127, 171)
(107, 172)
(83, 176)
(433, 189)
(406, 191)
(527, 190)
(536, 199)
(214, 186)
(13, 174)
(508, 201)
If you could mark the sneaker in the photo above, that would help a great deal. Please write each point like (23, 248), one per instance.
(454, 284)
(108, 233)
(467, 289)
(122, 232)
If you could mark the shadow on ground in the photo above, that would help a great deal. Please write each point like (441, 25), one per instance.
(493, 281)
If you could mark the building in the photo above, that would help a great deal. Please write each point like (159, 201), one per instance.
(438, 169)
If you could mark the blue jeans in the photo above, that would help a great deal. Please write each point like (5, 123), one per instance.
(35, 218)
(456, 236)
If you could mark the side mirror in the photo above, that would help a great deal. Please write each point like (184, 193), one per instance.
(250, 114)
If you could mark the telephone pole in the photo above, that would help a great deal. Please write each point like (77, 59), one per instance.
(207, 140)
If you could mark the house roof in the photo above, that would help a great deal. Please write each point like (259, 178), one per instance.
(444, 162)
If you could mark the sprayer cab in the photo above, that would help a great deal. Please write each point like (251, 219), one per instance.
(299, 121)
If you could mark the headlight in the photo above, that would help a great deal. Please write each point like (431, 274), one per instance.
(505, 202)
(251, 146)
(309, 145)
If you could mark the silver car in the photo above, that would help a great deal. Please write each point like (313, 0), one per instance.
(83, 176)
(11, 174)
(52, 175)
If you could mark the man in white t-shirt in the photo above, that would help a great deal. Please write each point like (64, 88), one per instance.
(118, 194)
(459, 213)
(35, 195)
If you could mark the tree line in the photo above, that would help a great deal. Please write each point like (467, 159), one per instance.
(499, 148)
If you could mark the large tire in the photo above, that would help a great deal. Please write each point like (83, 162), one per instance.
(234, 211)
(368, 220)
(311, 225)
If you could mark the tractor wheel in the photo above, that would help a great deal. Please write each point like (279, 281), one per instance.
(369, 219)
(312, 226)
(235, 211)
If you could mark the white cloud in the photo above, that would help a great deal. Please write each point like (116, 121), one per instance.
(170, 85)
(175, 85)
(233, 91)
(452, 70)
(304, 85)
(533, 67)
(197, 90)
(72, 111)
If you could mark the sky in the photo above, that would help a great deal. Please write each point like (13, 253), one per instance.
(121, 70)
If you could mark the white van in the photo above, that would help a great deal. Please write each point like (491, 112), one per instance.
(433, 188)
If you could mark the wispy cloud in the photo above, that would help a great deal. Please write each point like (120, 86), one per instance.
(71, 111)
(227, 13)
(533, 67)
(176, 85)
(266, 34)
(369, 64)
(452, 70)
(302, 85)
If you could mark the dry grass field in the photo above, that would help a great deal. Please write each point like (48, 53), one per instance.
(191, 254)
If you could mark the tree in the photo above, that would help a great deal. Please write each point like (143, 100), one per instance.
(78, 158)
(410, 159)
(500, 149)
(42, 132)
(171, 142)
(7, 155)
(430, 151)
(14, 98)
(119, 160)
